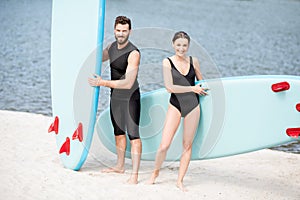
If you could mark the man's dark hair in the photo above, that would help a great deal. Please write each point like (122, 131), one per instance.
(123, 20)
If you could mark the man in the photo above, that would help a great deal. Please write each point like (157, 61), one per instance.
(125, 95)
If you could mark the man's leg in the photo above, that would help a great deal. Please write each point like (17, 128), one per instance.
(120, 147)
(136, 150)
(133, 121)
(117, 119)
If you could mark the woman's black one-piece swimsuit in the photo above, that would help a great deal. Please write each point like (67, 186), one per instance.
(184, 102)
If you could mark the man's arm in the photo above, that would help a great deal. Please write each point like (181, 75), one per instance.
(130, 75)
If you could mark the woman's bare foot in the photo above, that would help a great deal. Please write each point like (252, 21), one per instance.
(181, 186)
(153, 177)
(119, 170)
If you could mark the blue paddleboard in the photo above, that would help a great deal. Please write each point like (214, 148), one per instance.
(76, 42)
(240, 114)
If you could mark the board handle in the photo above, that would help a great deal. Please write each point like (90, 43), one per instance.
(293, 132)
(298, 107)
(280, 87)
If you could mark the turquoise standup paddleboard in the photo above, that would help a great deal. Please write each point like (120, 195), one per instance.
(239, 115)
(76, 42)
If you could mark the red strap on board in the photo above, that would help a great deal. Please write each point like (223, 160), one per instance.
(298, 107)
(279, 87)
(293, 132)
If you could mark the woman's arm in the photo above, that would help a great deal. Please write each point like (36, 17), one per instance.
(168, 80)
(171, 88)
(197, 69)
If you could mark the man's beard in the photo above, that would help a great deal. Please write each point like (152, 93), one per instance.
(122, 41)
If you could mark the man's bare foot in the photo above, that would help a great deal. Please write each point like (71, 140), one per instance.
(133, 180)
(181, 186)
(153, 177)
(119, 170)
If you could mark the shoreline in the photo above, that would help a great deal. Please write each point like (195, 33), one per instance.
(31, 169)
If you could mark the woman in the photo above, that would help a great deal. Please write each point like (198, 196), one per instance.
(179, 73)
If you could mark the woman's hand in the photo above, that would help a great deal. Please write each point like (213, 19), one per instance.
(199, 90)
(96, 81)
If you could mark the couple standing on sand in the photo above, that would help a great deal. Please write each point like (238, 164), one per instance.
(179, 72)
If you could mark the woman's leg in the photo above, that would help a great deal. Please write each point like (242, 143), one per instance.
(191, 122)
(171, 124)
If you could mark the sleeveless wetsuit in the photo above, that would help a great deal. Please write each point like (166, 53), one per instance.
(124, 103)
(184, 102)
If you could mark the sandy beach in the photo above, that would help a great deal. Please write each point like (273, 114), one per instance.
(31, 169)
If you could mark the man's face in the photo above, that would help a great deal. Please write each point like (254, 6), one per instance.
(122, 33)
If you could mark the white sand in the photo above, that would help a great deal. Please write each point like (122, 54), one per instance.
(31, 169)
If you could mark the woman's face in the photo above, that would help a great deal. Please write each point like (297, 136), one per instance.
(181, 46)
